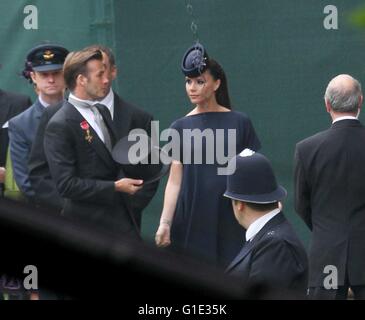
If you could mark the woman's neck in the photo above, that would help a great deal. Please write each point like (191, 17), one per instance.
(208, 106)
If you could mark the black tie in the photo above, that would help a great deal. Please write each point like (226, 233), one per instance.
(105, 113)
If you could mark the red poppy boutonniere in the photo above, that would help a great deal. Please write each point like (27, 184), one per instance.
(85, 126)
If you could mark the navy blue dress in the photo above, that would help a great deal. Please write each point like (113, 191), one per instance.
(204, 224)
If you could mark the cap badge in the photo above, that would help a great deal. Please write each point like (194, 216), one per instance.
(48, 55)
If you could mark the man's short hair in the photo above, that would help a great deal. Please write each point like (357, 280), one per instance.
(109, 53)
(344, 100)
(76, 64)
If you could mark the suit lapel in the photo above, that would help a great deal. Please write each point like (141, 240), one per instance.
(96, 143)
(38, 109)
(243, 253)
(279, 218)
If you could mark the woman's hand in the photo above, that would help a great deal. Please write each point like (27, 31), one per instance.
(162, 237)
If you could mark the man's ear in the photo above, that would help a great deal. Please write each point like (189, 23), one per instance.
(241, 205)
(114, 72)
(328, 106)
(81, 80)
(33, 76)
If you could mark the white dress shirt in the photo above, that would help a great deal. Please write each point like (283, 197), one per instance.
(89, 115)
(258, 224)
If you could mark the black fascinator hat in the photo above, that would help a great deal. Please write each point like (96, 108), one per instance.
(195, 61)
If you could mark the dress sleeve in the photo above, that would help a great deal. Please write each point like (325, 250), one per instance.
(251, 139)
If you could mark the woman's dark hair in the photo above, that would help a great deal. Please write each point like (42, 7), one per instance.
(221, 94)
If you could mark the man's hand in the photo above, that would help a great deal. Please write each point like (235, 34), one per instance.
(130, 186)
(2, 174)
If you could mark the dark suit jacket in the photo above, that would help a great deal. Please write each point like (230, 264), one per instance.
(126, 118)
(274, 258)
(84, 173)
(330, 197)
(22, 130)
(40, 177)
(11, 104)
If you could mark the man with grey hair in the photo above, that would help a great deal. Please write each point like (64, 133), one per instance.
(330, 195)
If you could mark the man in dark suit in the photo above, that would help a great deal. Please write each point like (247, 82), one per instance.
(11, 104)
(46, 61)
(272, 256)
(45, 191)
(78, 143)
(125, 117)
(330, 195)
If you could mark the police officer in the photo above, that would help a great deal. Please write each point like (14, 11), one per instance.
(272, 255)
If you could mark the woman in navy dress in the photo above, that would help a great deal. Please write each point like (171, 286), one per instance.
(196, 218)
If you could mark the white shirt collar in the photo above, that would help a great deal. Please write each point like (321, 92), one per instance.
(345, 118)
(78, 99)
(258, 224)
(43, 103)
(108, 101)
